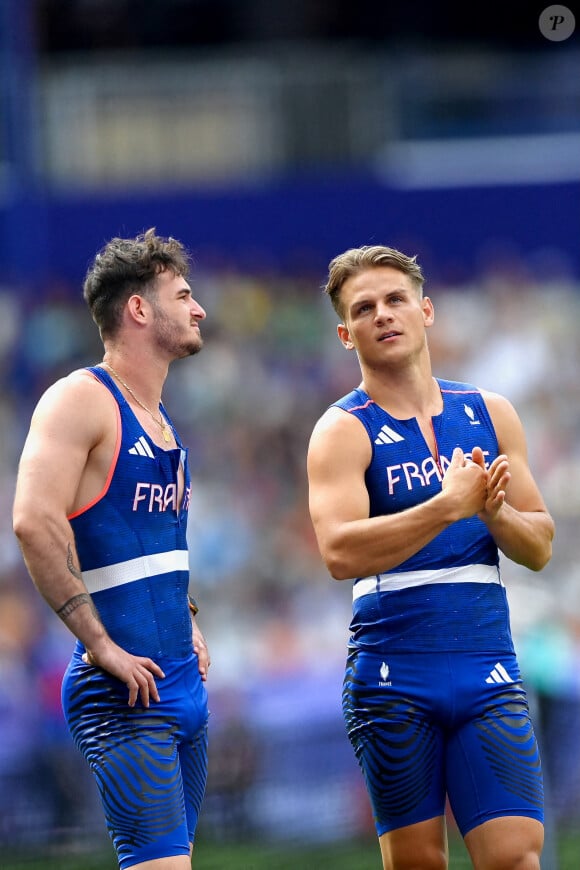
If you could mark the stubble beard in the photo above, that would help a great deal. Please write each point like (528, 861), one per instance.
(170, 341)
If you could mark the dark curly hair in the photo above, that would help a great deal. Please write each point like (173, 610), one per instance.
(126, 266)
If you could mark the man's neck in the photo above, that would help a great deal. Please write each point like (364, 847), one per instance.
(404, 393)
(143, 374)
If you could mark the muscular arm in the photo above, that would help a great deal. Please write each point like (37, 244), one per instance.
(55, 476)
(515, 513)
(62, 433)
(353, 544)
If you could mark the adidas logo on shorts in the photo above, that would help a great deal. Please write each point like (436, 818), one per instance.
(499, 675)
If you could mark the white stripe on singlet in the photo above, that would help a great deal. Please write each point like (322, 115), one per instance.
(408, 579)
(110, 576)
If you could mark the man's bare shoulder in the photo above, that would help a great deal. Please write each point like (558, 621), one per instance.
(79, 399)
(79, 384)
(500, 408)
(70, 441)
(494, 398)
(337, 423)
(338, 438)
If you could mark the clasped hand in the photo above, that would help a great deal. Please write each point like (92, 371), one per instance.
(477, 489)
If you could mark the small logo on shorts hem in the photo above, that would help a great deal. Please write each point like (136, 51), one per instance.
(384, 673)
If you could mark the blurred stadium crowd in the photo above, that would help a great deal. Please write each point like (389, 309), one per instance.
(275, 622)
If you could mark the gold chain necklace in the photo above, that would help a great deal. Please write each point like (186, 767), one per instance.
(165, 429)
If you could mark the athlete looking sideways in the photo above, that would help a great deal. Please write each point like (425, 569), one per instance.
(100, 511)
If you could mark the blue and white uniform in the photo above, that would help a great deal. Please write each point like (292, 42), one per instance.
(150, 763)
(433, 698)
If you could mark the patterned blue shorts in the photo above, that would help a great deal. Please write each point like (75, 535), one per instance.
(427, 726)
(150, 764)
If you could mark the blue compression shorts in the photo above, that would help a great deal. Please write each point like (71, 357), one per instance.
(426, 726)
(150, 764)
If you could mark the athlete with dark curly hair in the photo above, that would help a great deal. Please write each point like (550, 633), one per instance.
(100, 511)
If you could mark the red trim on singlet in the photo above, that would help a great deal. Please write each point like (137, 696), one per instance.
(107, 484)
(360, 407)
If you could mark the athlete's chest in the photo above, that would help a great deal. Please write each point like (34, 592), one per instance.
(149, 479)
(410, 457)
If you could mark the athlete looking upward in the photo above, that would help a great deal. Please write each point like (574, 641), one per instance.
(415, 484)
(100, 511)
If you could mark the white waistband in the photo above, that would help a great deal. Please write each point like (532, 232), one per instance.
(135, 569)
(407, 579)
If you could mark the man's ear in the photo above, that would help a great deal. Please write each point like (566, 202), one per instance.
(344, 336)
(428, 311)
(137, 308)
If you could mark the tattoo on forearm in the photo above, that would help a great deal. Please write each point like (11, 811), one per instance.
(71, 605)
(71, 565)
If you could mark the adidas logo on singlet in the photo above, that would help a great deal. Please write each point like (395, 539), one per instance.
(388, 436)
(499, 675)
(142, 448)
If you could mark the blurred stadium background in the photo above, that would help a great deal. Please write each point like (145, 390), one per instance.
(269, 136)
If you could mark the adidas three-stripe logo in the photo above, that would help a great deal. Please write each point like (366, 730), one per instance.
(142, 448)
(388, 436)
(499, 675)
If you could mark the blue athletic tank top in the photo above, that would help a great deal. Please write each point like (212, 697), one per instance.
(131, 542)
(449, 595)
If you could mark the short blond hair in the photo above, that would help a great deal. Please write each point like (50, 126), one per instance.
(356, 260)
